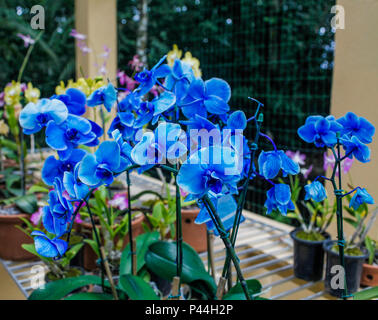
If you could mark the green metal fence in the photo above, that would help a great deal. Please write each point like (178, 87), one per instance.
(277, 51)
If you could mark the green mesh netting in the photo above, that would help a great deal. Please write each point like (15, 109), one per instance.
(279, 52)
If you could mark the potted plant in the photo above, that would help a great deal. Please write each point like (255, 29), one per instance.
(57, 268)
(163, 218)
(369, 275)
(352, 133)
(314, 219)
(112, 222)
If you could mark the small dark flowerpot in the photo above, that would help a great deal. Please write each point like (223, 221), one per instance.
(353, 269)
(308, 257)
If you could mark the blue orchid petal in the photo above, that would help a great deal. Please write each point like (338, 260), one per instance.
(87, 170)
(216, 105)
(109, 153)
(237, 120)
(55, 136)
(218, 87)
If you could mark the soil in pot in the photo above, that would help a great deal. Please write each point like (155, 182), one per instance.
(353, 268)
(11, 238)
(308, 254)
(193, 234)
(90, 257)
(369, 277)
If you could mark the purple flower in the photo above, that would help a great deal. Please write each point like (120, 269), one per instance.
(296, 157)
(27, 39)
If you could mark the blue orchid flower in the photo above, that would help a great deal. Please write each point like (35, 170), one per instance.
(178, 81)
(321, 131)
(148, 78)
(35, 116)
(315, 191)
(126, 129)
(279, 198)
(49, 248)
(106, 95)
(162, 144)
(210, 170)
(97, 131)
(271, 162)
(68, 135)
(54, 168)
(210, 96)
(74, 100)
(225, 206)
(354, 147)
(163, 104)
(144, 114)
(237, 120)
(76, 189)
(101, 167)
(59, 211)
(125, 148)
(360, 197)
(359, 127)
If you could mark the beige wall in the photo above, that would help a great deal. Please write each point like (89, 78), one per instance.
(98, 20)
(355, 81)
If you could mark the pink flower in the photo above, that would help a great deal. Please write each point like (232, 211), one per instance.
(76, 35)
(36, 216)
(2, 101)
(83, 47)
(296, 157)
(306, 172)
(119, 201)
(136, 64)
(27, 39)
(329, 162)
(124, 79)
(347, 164)
(106, 52)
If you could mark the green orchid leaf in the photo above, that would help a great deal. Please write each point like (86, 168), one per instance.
(161, 260)
(368, 294)
(90, 296)
(58, 289)
(237, 293)
(136, 288)
(27, 203)
(143, 241)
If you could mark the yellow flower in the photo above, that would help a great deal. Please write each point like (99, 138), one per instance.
(174, 54)
(82, 85)
(4, 129)
(61, 89)
(32, 94)
(12, 93)
(194, 63)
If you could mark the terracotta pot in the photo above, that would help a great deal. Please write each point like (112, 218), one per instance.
(193, 234)
(12, 238)
(90, 256)
(369, 275)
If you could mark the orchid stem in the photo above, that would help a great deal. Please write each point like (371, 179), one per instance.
(227, 242)
(131, 241)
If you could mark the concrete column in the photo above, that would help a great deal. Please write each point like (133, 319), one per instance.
(355, 82)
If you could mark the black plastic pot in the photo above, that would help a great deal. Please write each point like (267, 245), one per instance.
(353, 269)
(162, 284)
(308, 257)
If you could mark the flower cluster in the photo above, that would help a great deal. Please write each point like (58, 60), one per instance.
(193, 128)
(351, 132)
